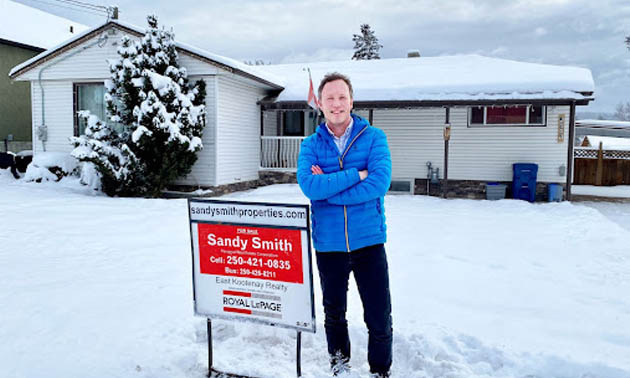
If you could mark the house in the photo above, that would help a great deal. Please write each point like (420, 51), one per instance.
(495, 113)
(607, 143)
(19, 42)
(609, 128)
(471, 117)
(72, 77)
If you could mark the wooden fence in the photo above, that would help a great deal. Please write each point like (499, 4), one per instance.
(596, 166)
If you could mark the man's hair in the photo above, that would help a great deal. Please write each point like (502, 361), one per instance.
(332, 76)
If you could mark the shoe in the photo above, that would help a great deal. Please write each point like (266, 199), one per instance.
(379, 375)
(339, 364)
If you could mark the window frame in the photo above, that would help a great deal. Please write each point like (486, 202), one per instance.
(75, 102)
(485, 117)
(411, 182)
(75, 106)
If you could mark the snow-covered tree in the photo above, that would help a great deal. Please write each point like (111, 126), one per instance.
(156, 118)
(115, 163)
(366, 44)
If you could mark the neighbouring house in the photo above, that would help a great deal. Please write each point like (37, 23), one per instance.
(71, 77)
(497, 112)
(609, 128)
(607, 143)
(24, 33)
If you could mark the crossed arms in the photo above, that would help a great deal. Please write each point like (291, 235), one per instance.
(346, 187)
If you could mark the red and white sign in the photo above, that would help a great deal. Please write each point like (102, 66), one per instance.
(252, 252)
(252, 262)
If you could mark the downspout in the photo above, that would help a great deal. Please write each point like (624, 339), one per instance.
(447, 138)
(570, 153)
(42, 133)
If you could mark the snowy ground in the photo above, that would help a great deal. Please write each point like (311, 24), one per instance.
(618, 191)
(99, 287)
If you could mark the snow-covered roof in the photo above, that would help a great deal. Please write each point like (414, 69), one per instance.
(30, 26)
(609, 143)
(235, 65)
(444, 78)
(602, 124)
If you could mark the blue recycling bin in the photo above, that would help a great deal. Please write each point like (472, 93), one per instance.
(554, 192)
(524, 181)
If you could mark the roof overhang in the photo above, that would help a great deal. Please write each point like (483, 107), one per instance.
(268, 103)
(22, 45)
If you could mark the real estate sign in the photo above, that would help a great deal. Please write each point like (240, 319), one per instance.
(252, 262)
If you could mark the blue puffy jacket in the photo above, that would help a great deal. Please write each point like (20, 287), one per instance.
(347, 213)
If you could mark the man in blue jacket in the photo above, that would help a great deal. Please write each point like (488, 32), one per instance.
(345, 170)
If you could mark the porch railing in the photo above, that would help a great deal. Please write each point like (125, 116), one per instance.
(279, 152)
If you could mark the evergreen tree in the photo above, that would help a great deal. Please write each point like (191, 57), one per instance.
(366, 46)
(156, 118)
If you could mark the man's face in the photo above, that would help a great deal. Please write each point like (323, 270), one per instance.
(336, 103)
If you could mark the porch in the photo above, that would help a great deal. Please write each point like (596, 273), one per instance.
(280, 153)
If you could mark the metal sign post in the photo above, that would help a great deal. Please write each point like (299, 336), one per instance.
(252, 263)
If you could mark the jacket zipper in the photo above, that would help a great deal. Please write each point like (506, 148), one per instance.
(345, 210)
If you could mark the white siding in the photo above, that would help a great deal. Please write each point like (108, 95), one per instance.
(488, 153)
(58, 112)
(87, 61)
(203, 173)
(196, 67)
(414, 137)
(238, 130)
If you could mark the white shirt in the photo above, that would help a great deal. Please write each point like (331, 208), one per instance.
(343, 139)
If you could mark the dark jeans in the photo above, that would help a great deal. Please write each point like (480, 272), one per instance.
(369, 266)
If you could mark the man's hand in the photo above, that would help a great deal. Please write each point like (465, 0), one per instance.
(363, 174)
(316, 170)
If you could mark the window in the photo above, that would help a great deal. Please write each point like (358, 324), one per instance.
(293, 123)
(506, 115)
(401, 186)
(91, 96)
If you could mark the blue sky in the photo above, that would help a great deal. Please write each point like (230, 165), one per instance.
(567, 32)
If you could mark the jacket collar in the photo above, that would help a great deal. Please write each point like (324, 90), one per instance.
(359, 124)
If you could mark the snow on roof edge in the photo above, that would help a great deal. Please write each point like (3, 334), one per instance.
(271, 79)
(604, 123)
(443, 78)
(609, 142)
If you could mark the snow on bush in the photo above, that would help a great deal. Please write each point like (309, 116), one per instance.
(50, 166)
(89, 176)
(39, 174)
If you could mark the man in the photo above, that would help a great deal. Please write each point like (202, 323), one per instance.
(345, 169)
